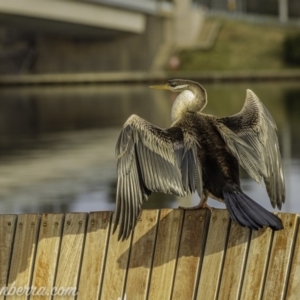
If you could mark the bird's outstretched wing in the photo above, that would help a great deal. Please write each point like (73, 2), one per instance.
(254, 129)
(151, 159)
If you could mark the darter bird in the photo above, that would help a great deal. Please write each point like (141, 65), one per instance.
(199, 153)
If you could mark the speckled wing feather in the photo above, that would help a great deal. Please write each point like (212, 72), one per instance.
(151, 159)
(255, 126)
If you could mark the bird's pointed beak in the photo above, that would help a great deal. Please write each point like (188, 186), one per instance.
(160, 87)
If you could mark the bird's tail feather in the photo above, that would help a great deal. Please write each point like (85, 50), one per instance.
(247, 212)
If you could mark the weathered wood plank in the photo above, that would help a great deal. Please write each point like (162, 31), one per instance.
(234, 262)
(293, 289)
(279, 259)
(70, 255)
(141, 255)
(258, 257)
(23, 253)
(7, 229)
(166, 248)
(171, 243)
(94, 255)
(47, 254)
(190, 253)
(115, 267)
(213, 255)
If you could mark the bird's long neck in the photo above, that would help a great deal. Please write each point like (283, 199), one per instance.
(193, 99)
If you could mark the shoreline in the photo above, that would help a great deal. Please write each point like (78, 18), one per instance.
(137, 77)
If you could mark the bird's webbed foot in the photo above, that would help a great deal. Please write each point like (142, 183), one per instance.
(202, 204)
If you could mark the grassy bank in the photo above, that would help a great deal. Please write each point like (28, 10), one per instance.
(241, 46)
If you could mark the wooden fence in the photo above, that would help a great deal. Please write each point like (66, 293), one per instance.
(172, 255)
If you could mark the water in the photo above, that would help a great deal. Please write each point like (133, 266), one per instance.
(57, 143)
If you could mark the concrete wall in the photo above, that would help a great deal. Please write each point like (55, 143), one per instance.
(64, 54)
(265, 7)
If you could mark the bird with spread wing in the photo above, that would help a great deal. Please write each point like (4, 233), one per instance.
(200, 153)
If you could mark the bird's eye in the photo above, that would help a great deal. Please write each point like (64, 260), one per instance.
(172, 84)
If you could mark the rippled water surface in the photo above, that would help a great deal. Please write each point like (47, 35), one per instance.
(57, 143)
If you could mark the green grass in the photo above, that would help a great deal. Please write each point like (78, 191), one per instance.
(240, 46)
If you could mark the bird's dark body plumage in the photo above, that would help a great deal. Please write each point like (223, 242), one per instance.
(216, 160)
(200, 153)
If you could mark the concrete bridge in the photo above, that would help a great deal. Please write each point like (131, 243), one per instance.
(86, 17)
(68, 36)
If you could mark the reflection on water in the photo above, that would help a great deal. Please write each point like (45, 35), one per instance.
(57, 143)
